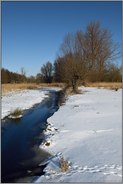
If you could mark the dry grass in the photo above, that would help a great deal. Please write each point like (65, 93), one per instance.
(64, 165)
(69, 91)
(17, 112)
(13, 87)
(109, 85)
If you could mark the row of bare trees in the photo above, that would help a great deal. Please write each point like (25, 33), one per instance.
(85, 56)
(15, 77)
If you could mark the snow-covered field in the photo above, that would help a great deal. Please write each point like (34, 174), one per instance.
(87, 132)
(23, 99)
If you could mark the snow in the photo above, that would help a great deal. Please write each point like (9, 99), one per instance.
(53, 88)
(87, 132)
(15, 117)
(23, 99)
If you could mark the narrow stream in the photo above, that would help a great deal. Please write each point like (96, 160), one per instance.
(20, 140)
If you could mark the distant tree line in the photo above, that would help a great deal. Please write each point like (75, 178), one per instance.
(14, 77)
(83, 57)
(11, 77)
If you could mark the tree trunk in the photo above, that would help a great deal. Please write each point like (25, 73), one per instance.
(74, 85)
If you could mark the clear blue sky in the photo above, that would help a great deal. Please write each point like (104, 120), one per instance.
(33, 31)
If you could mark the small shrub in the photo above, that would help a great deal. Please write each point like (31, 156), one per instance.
(31, 87)
(64, 164)
(116, 89)
(16, 113)
(47, 143)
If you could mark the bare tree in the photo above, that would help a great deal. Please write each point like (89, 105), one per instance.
(46, 71)
(100, 48)
(39, 78)
(58, 69)
(87, 53)
(72, 68)
(113, 74)
(23, 73)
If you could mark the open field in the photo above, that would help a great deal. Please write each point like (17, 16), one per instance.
(13, 87)
(109, 85)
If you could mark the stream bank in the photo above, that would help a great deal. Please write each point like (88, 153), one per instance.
(20, 153)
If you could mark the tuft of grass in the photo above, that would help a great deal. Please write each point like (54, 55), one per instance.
(115, 88)
(16, 113)
(64, 165)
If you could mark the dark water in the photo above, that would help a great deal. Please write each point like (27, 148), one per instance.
(20, 142)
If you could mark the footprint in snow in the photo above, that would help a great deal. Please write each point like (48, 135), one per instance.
(105, 169)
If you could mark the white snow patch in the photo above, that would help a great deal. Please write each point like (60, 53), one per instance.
(15, 117)
(53, 88)
(23, 99)
(89, 136)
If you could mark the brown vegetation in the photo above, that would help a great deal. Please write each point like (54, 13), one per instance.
(88, 55)
(109, 85)
(64, 164)
(16, 113)
(47, 72)
(13, 87)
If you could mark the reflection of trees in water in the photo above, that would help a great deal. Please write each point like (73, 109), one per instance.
(52, 100)
(61, 98)
(35, 156)
(16, 121)
(56, 99)
(3, 129)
